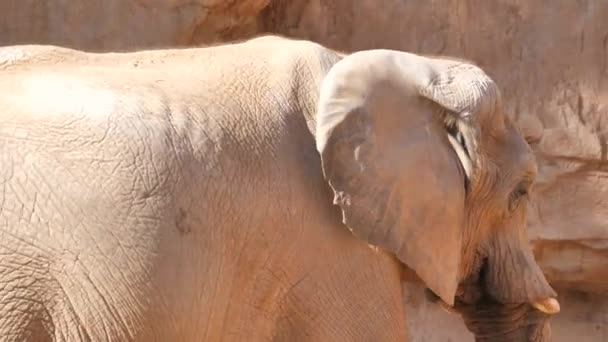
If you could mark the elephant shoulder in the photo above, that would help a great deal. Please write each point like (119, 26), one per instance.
(14, 57)
(294, 51)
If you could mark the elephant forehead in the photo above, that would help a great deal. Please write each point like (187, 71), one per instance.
(519, 153)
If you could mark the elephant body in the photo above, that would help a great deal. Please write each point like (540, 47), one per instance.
(267, 189)
(146, 197)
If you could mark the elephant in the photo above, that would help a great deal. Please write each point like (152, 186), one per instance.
(271, 188)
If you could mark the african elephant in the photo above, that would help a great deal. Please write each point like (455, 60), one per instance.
(265, 189)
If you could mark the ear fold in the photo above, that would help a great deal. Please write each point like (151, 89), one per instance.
(381, 133)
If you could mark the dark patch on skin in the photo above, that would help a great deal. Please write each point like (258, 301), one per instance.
(181, 223)
(146, 194)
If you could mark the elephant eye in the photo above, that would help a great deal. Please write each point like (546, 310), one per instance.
(519, 193)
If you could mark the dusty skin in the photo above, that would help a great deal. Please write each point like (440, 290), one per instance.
(233, 192)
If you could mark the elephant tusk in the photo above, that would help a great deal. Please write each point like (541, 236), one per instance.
(549, 306)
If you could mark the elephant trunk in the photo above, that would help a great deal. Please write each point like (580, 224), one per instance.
(510, 298)
(512, 276)
(507, 323)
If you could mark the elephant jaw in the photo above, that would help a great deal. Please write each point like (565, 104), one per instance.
(549, 306)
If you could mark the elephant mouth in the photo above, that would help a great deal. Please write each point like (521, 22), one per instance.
(472, 293)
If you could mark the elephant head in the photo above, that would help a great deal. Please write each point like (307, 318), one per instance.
(424, 163)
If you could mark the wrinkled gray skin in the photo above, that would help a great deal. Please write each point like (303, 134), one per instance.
(234, 193)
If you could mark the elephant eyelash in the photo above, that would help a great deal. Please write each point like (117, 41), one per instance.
(520, 193)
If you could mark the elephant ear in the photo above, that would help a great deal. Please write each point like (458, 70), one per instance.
(397, 134)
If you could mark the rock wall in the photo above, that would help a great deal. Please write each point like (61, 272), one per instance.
(584, 318)
(549, 58)
(551, 61)
(126, 24)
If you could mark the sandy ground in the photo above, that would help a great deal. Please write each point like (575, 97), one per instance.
(584, 318)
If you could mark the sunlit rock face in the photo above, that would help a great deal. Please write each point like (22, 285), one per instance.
(549, 58)
(126, 24)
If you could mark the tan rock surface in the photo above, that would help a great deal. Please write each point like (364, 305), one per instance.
(584, 318)
(125, 24)
(550, 59)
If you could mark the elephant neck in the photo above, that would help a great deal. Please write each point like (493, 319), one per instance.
(308, 85)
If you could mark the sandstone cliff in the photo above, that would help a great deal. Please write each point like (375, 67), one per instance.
(549, 58)
(126, 24)
(551, 61)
